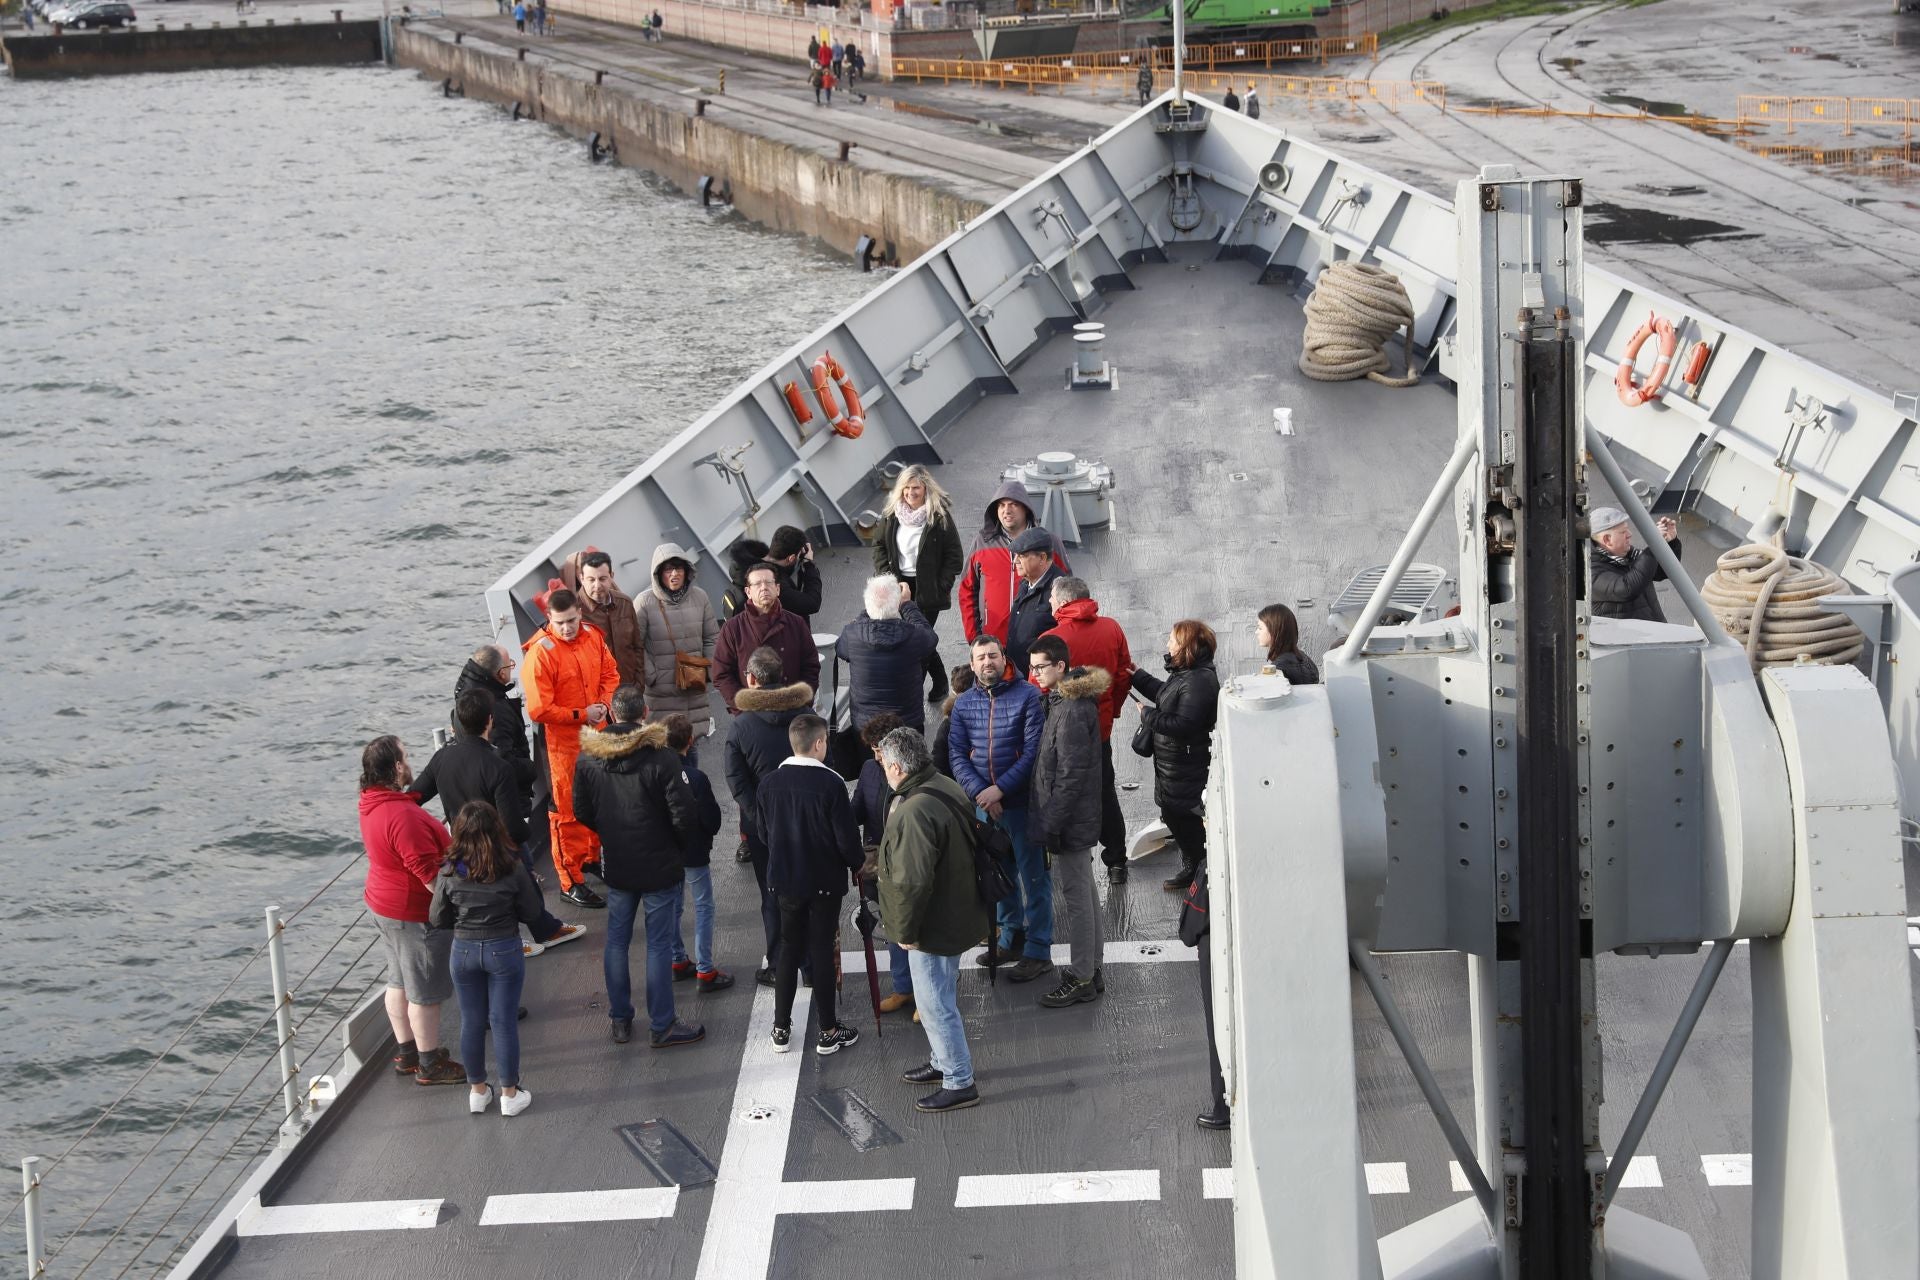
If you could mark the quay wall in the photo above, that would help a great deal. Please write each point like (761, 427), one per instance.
(90, 53)
(774, 183)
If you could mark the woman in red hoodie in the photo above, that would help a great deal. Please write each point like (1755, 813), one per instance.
(405, 846)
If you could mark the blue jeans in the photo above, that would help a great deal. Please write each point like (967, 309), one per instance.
(663, 910)
(1031, 910)
(700, 889)
(935, 997)
(487, 977)
(902, 970)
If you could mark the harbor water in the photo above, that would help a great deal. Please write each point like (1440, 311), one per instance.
(293, 363)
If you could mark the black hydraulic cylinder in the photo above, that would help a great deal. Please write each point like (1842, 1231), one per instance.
(1555, 1225)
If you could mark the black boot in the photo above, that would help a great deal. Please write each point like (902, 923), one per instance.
(938, 671)
(1179, 881)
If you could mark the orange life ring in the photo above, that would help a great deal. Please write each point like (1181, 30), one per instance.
(1634, 394)
(827, 372)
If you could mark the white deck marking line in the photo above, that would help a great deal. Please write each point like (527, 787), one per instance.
(748, 1193)
(1728, 1170)
(1642, 1171)
(857, 1195)
(1216, 1184)
(980, 1191)
(1459, 1178)
(1387, 1179)
(618, 1205)
(354, 1215)
(1171, 951)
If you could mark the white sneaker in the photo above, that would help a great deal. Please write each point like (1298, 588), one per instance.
(568, 932)
(513, 1106)
(477, 1102)
(529, 950)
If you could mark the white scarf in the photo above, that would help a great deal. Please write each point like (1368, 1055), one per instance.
(913, 517)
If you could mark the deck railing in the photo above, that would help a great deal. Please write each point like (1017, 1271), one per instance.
(238, 1065)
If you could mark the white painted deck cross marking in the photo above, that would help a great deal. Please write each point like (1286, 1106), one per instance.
(1385, 1178)
(749, 1194)
(618, 1205)
(356, 1215)
(1642, 1171)
(1216, 1184)
(1728, 1170)
(978, 1191)
(1170, 951)
(1459, 1178)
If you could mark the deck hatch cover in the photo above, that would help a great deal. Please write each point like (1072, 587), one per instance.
(852, 1116)
(666, 1151)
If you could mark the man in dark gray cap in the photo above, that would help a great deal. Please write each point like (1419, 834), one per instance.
(1032, 613)
(1622, 578)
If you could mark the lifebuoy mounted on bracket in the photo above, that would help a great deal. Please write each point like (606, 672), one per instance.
(827, 373)
(1634, 394)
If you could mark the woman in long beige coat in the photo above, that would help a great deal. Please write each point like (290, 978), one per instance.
(675, 616)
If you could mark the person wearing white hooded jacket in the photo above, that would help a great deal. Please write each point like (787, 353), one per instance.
(676, 617)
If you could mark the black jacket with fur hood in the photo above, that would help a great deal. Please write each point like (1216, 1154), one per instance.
(628, 790)
(1063, 800)
(757, 743)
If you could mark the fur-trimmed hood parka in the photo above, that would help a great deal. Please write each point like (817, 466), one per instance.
(628, 789)
(1063, 812)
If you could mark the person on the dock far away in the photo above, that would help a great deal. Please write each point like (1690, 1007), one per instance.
(813, 850)
(855, 63)
(932, 908)
(1181, 721)
(629, 787)
(813, 51)
(1144, 81)
(696, 851)
(764, 622)
(1251, 103)
(655, 23)
(1232, 101)
(520, 15)
(1066, 807)
(405, 845)
(468, 769)
(827, 81)
(993, 742)
(484, 893)
(568, 677)
(987, 586)
(756, 744)
(1623, 578)
(839, 61)
(1096, 641)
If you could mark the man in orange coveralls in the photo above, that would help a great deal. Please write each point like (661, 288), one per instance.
(568, 677)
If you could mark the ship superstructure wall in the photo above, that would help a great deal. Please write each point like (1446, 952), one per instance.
(775, 184)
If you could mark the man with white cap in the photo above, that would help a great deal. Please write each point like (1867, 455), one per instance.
(1621, 578)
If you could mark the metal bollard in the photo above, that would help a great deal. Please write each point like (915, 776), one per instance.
(336, 15)
(36, 1229)
(599, 77)
(283, 1014)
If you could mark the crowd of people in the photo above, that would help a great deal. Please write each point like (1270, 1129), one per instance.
(962, 833)
(830, 65)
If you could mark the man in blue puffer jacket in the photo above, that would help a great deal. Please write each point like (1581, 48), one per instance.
(992, 744)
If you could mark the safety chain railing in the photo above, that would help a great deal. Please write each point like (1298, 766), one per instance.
(1847, 114)
(135, 1242)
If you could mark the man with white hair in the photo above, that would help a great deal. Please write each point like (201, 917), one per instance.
(1621, 578)
(887, 649)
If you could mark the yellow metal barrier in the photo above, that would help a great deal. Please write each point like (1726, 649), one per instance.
(1033, 74)
(1847, 113)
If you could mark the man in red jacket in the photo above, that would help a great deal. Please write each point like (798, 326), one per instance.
(1094, 641)
(991, 580)
(764, 622)
(405, 845)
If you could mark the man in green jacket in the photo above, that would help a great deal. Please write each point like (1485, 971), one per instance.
(931, 906)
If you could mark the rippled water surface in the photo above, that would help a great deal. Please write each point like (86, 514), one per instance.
(293, 364)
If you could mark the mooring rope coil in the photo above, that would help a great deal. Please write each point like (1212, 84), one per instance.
(1762, 581)
(1356, 308)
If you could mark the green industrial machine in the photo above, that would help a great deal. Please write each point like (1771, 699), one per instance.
(1212, 20)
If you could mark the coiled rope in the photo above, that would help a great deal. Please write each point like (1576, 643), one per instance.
(1762, 581)
(1355, 309)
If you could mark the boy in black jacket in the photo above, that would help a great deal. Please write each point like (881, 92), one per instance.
(813, 848)
(696, 851)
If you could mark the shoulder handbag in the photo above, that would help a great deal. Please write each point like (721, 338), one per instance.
(689, 669)
(1194, 925)
(992, 853)
(1143, 738)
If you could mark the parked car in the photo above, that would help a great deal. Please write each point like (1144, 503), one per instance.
(114, 13)
(65, 12)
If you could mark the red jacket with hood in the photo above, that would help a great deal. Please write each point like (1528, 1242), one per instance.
(988, 585)
(405, 846)
(1094, 641)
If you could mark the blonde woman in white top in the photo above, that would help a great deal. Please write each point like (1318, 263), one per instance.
(919, 544)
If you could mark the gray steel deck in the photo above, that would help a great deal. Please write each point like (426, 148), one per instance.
(1218, 515)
